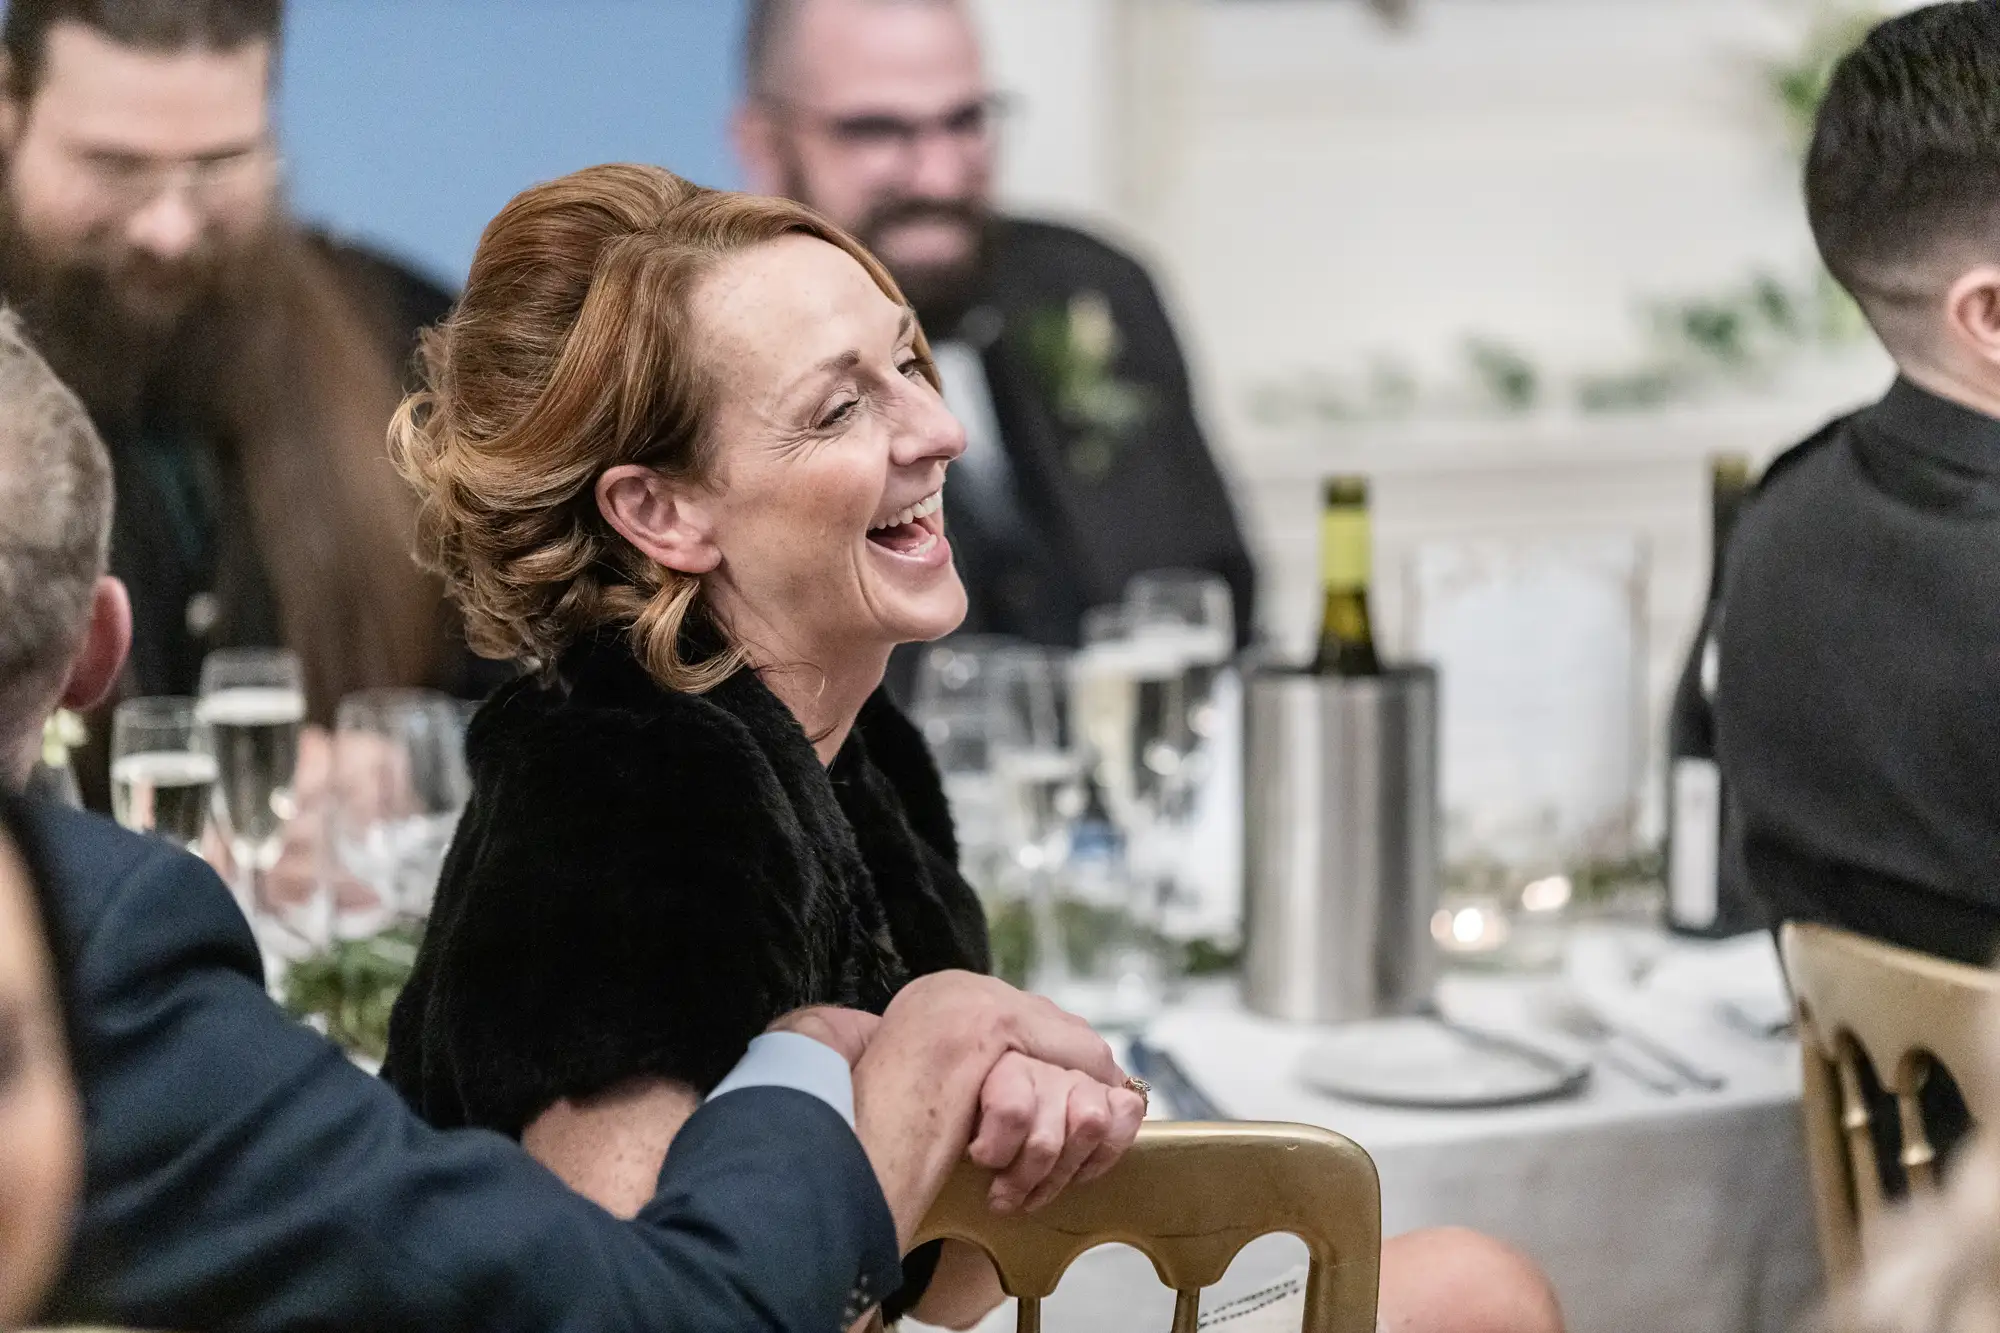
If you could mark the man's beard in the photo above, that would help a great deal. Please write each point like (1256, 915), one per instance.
(135, 339)
(941, 294)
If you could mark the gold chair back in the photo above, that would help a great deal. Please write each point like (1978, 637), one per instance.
(1189, 1196)
(1907, 1013)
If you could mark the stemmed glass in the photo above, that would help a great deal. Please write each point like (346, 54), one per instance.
(953, 707)
(253, 702)
(1190, 615)
(162, 769)
(1038, 773)
(253, 705)
(399, 785)
(1130, 709)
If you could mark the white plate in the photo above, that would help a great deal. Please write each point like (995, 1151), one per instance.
(1422, 1062)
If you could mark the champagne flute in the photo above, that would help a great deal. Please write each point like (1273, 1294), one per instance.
(163, 769)
(399, 785)
(1038, 774)
(953, 708)
(1130, 692)
(1185, 616)
(1191, 613)
(253, 702)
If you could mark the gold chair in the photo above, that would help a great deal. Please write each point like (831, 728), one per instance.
(1906, 1012)
(1189, 1196)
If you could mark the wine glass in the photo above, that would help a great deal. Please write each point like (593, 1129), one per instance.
(1130, 699)
(1037, 773)
(953, 708)
(163, 769)
(253, 702)
(399, 784)
(1192, 614)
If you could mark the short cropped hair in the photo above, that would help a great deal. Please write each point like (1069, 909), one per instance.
(55, 517)
(149, 25)
(763, 33)
(1905, 156)
(769, 24)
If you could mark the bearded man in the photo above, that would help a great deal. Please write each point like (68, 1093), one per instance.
(241, 369)
(1085, 463)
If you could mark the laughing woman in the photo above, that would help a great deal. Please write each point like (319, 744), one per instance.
(682, 451)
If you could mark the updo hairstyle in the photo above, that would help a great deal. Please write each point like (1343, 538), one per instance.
(571, 352)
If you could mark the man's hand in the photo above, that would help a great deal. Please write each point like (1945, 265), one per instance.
(918, 1085)
(1041, 1127)
(847, 1031)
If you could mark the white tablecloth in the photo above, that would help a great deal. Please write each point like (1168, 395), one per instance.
(1653, 1213)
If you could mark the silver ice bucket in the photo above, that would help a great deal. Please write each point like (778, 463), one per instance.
(1341, 843)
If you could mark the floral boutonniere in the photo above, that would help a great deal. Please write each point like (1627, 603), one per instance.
(1074, 349)
(64, 731)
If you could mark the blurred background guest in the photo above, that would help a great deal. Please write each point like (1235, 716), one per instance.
(241, 368)
(1085, 464)
(41, 1124)
(1858, 710)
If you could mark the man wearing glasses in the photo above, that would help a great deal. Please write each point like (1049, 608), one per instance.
(1085, 463)
(241, 369)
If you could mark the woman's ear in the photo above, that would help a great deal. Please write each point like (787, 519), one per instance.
(1972, 313)
(668, 523)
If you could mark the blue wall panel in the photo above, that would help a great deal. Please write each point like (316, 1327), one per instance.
(409, 123)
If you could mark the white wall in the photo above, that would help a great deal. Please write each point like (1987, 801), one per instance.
(1313, 188)
(1531, 170)
(1054, 56)
(410, 122)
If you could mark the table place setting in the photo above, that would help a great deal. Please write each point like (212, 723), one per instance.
(1651, 1022)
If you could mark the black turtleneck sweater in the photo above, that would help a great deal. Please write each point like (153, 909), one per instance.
(1858, 705)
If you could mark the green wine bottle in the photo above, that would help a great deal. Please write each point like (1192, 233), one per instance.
(1346, 555)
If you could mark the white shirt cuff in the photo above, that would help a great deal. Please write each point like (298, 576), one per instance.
(794, 1060)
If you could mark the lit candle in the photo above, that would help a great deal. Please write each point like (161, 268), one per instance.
(1470, 927)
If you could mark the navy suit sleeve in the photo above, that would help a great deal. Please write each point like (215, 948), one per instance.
(243, 1175)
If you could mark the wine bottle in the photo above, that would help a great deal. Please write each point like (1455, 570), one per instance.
(1346, 639)
(1703, 897)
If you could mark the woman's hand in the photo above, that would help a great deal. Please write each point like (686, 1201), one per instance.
(1041, 1127)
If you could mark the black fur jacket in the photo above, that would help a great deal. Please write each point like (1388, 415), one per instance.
(644, 879)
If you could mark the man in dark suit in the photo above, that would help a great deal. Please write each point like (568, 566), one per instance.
(1084, 462)
(240, 1173)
